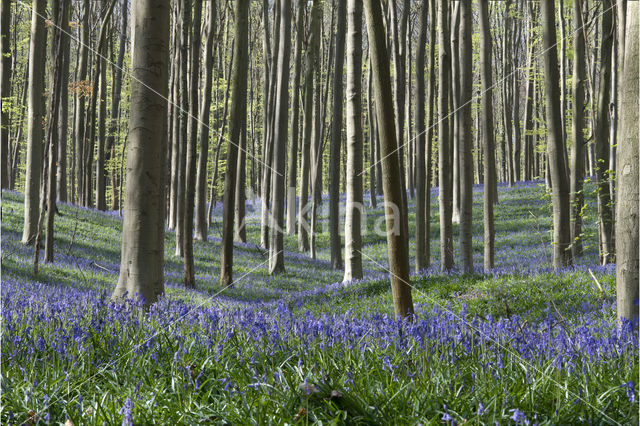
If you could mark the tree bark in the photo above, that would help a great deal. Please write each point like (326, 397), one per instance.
(238, 110)
(5, 90)
(488, 137)
(466, 137)
(557, 166)
(577, 126)
(37, 59)
(421, 185)
(336, 137)
(627, 180)
(354, 204)
(141, 267)
(276, 248)
(392, 179)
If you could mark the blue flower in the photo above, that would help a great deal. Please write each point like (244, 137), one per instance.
(127, 416)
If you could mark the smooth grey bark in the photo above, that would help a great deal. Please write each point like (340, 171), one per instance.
(577, 134)
(371, 123)
(336, 137)
(444, 195)
(238, 111)
(240, 234)
(421, 185)
(431, 90)
(101, 178)
(628, 177)
(192, 145)
(276, 248)
(355, 145)
(79, 123)
(37, 58)
(601, 135)
(392, 178)
(556, 162)
(141, 267)
(5, 90)
(292, 166)
(455, 121)
(175, 126)
(465, 145)
(313, 45)
(205, 109)
(488, 136)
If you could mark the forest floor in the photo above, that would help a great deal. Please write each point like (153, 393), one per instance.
(522, 344)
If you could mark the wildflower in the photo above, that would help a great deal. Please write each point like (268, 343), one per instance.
(127, 416)
(480, 409)
(630, 387)
(518, 416)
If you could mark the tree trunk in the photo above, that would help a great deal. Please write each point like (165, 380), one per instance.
(488, 145)
(465, 146)
(444, 195)
(240, 234)
(601, 135)
(192, 145)
(37, 59)
(5, 90)
(101, 178)
(371, 122)
(354, 204)
(431, 90)
(238, 110)
(312, 50)
(141, 267)
(455, 121)
(627, 181)
(421, 184)
(295, 114)
(557, 166)
(336, 137)
(276, 248)
(577, 157)
(396, 238)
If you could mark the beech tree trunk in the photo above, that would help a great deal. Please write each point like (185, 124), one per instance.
(37, 59)
(142, 264)
(238, 111)
(336, 138)
(5, 90)
(627, 179)
(276, 247)
(354, 204)
(392, 178)
(557, 165)
(421, 185)
(488, 137)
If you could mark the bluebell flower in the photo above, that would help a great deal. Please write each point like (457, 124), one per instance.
(127, 415)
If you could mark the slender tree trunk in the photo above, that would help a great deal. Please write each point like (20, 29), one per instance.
(601, 135)
(486, 50)
(63, 125)
(101, 178)
(292, 166)
(142, 265)
(431, 90)
(371, 123)
(627, 180)
(421, 184)
(238, 110)
(175, 117)
(577, 125)
(205, 108)
(446, 234)
(80, 127)
(455, 120)
(312, 50)
(396, 238)
(37, 58)
(557, 166)
(192, 145)
(276, 248)
(466, 141)
(336, 137)
(354, 204)
(5, 90)
(240, 234)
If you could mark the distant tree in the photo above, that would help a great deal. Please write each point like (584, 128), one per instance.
(557, 165)
(276, 247)
(80, 128)
(37, 59)
(487, 135)
(238, 110)
(336, 139)
(422, 186)
(466, 138)
(577, 126)
(627, 213)
(354, 204)
(5, 90)
(141, 267)
(392, 179)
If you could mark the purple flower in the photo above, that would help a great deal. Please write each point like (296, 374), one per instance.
(630, 387)
(518, 417)
(127, 416)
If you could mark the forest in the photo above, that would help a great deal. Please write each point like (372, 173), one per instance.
(319, 211)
